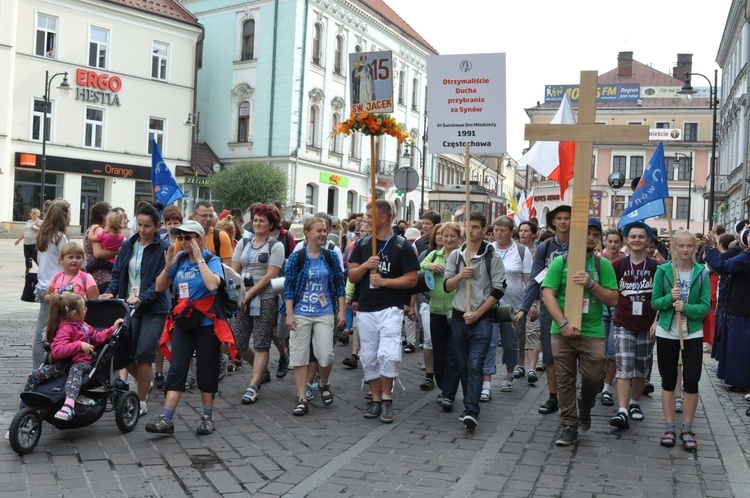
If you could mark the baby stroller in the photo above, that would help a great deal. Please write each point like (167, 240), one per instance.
(96, 388)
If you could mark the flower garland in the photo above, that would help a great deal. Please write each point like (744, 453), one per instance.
(371, 124)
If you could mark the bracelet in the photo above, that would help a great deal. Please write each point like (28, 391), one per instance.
(591, 284)
(534, 305)
(561, 325)
(201, 261)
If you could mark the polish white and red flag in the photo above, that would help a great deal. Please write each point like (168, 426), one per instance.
(526, 206)
(555, 159)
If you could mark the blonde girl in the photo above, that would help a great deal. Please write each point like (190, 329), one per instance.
(72, 278)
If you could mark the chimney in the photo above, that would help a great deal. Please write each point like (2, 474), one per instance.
(684, 65)
(625, 64)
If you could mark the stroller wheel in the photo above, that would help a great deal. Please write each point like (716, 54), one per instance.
(25, 430)
(127, 411)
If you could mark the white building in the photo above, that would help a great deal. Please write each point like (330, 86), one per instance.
(131, 73)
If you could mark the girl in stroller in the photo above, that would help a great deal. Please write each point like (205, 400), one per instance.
(72, 342)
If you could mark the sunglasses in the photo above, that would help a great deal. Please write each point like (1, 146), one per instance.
(185, 238)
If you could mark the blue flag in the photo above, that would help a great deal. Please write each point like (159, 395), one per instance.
(163, 182)
(647, 200)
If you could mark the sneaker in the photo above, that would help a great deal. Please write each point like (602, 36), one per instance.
(265, 378)
(485, 395)
(409, 348)
(283, 368)
(506, 386)
(316, 382)
(468, 419)
(648, 388)
(519, 372)
(250, 396)
(206, 426)
(160, 425)
(309, 393)
(584, 420)
(223, 366)
(550, 406)
(386, 412)
(689, 443)
(635, 412)
(607, 399)
(532, 377)
(143, 410)
(373, 410)
(350, 361)
(568, 436)
(190, 382)
(120, 384)
(620, 421)
(159, 380)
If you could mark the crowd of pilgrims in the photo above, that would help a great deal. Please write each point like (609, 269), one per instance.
(336, 290)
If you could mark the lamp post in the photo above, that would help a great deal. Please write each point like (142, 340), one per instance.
(194, 121)
(64, 87)
(677, 162)
(687, 89)
(421, 157)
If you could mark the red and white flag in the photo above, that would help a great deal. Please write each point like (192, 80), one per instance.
(526, 205)
(555, 159)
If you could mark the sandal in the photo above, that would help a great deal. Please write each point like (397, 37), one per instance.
(368, 395)
(668, 439)
(427, 385)
(65, 413)
(326, 395)
(635, 412)
(688, 441)
(250, 396)
(485, 395)
(678, 405)
(519, 373)
(300, 409)
(607, 399)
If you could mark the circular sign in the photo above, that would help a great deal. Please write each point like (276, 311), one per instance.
(406, 179)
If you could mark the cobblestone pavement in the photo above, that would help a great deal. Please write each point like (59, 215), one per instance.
(262, 450)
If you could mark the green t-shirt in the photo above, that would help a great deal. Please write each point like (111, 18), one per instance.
(556, 278)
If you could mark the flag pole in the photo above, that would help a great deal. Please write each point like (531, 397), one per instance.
(467, 212)
(674, 278)
(373, 167)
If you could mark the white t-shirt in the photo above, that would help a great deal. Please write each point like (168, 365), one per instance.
(49, 263)
(336, 249)
(515, 267)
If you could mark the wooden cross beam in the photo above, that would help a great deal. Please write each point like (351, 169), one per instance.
(585, 132)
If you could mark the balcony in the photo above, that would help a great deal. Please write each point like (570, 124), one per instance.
(385, 168)
(721, 188)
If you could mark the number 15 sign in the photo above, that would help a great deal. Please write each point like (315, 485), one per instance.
(371, 82)
(467, 103)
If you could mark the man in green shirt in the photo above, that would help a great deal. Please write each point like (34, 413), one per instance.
(579, 350)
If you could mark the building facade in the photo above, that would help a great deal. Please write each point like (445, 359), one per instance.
(131, 77)
(274, 80)
(641, 95)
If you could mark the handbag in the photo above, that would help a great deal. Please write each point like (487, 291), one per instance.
(28, 288)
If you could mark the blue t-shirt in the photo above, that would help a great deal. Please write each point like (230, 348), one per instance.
(316, 285)
(189, 273)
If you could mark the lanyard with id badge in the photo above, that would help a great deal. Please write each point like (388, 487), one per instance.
(637, 303)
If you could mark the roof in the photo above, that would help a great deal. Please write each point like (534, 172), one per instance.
(206, 160)
(396, 22)
(165, 8)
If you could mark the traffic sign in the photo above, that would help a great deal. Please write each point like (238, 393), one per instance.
(406, 179)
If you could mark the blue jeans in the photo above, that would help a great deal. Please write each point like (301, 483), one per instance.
(466, 355)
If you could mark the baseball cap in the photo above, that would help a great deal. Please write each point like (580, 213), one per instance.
(638, 224)
(189, 226)
(593, 222)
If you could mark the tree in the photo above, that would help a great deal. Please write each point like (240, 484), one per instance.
(246, 183)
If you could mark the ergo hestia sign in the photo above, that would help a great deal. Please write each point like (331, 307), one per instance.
(99, 88)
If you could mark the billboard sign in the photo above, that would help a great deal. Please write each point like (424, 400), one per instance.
(371, 82)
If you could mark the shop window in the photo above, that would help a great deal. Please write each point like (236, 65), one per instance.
(26, 190)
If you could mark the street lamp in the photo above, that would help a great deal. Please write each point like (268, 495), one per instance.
(407, 155)
(194, 121)
(677, 162)
(687, 89)
(64, 87)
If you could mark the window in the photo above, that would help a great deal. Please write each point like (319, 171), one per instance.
(94, 128)
(619, 164)
(98, 43)
(351, 199)
(683, 212)
(243, 122)
(415, 94)
(338, 63)
(248, 40)
(636, 166)
(26, 190)
(667, 206)
(156, 132)
(401, 84)
(312, 136)
(691, 132)
(159, 58)
(46, 36)
(662, 125)
(37, 116)
(310, 190)
(317, 47)
(683, 168)
(354, 152)
(336, 143)
(618, 205)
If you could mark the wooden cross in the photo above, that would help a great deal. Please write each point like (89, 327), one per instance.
(585, 132)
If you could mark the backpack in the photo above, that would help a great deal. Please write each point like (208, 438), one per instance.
(488, 253)
(367, 241)
(326, 255)
(229, 295)
(249, 239)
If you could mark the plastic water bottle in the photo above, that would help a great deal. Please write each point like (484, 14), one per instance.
(232, 291)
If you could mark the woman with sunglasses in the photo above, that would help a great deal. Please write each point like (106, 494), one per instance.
(195, 324)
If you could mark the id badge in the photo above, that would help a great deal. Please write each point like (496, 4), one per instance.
(134, 291)
(322, 300)
(540, 277)
(184, 292)
(637, 308)
(585, 307)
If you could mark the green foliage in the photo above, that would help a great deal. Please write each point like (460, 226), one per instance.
(248, 182)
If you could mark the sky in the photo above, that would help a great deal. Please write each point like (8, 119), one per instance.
(550, 42)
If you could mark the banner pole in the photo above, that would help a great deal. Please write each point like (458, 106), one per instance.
(467, 212)
(674, 278)
(373, 167)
